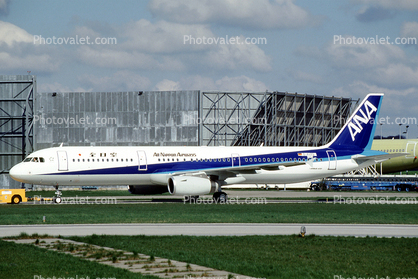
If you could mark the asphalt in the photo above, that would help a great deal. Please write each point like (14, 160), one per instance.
(212, 229)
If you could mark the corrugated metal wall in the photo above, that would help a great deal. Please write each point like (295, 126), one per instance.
(116, 118)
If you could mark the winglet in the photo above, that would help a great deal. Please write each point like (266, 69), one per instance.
(358, 131)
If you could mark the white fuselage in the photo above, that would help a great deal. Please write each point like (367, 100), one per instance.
(68, 166)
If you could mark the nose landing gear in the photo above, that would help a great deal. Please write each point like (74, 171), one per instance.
(58, 194)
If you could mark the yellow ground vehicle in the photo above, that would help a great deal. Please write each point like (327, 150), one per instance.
(13, 196)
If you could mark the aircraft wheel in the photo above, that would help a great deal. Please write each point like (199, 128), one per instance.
(399, 189)
(223, 197)
(16, 199)
(220, 197)
(58, 200)
(407, 189)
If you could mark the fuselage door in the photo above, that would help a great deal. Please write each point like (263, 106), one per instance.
(236, 161)
(410, 148)
(142, 160)
(332, 158)
(62, 161)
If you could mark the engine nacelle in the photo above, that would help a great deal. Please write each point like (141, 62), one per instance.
(191, 186)
(147, 189)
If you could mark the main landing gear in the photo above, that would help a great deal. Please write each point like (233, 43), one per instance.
(58, 194)
(220, 197)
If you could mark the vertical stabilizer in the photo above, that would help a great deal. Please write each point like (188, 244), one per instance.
(358, 131)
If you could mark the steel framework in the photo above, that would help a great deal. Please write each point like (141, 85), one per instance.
(16, 119)
(271, 118)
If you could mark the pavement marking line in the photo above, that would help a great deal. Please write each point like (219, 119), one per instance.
(137, 263)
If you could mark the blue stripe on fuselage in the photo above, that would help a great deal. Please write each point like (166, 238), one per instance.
(201, 165)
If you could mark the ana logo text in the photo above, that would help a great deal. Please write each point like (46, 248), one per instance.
(355, 126)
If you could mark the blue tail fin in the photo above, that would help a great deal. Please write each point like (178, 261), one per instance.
(358, 131)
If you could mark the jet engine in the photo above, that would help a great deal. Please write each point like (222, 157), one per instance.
(191, 186)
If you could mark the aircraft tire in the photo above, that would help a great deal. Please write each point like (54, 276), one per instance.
(223, 197)
(58, 200)
(220, 197)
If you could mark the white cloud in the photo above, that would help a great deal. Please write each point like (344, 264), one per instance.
(167, 85)
(390, 4)
(363, 55)
(384, 65)
(163, 37)
(119, 81)
(240, 83)
(146, 45)
(19, 53)
(261, 14)
(58, 87)
(410, 30)
(236, 56)
(398, 74)
(23, 62)
(11, 34)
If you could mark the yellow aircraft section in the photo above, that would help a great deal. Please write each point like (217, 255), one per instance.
(402, 163)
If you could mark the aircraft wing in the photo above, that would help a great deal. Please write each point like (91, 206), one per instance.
(377, 158)
(224, 173)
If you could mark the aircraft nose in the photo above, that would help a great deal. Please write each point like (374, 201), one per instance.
(18, 173)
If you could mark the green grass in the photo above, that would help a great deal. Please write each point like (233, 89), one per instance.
(25, 261)
(208, 213)
(280, 256)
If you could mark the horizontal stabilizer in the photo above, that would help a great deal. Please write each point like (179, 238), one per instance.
(377, 158)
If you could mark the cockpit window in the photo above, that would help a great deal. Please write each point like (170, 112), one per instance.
(34, 159)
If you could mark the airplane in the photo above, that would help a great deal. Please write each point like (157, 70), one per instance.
(402, 163)
(191, 171)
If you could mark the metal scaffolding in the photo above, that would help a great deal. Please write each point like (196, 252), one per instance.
(271, 118)
(16, 119)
